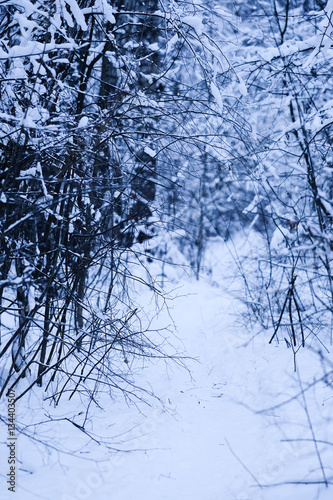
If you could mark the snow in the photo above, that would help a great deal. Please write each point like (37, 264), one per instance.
(101, 6)
(171, 43)
(83, 122)
(253, 205)
(195, 22)
(26, 26)
(219, 431)
(150, 152)
(6, 116)
(29, 8)
(153, 46)
(107, 10)
(77, 14)
(241, 85)
(32, 48)
(217, 95)
(30, 172)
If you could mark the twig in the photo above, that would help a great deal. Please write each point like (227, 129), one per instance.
(242, 463)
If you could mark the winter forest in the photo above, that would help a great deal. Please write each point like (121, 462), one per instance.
(166, 257)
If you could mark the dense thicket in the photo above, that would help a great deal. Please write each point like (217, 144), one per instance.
(288, 69)
(102, 108)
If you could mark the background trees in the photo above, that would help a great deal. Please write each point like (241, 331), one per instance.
(273, 175)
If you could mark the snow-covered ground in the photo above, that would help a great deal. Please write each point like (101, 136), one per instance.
(220, 430)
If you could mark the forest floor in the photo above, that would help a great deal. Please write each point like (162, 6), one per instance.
(236, 424)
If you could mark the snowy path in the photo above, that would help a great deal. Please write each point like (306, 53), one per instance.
(214, 448)
(207, 446)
